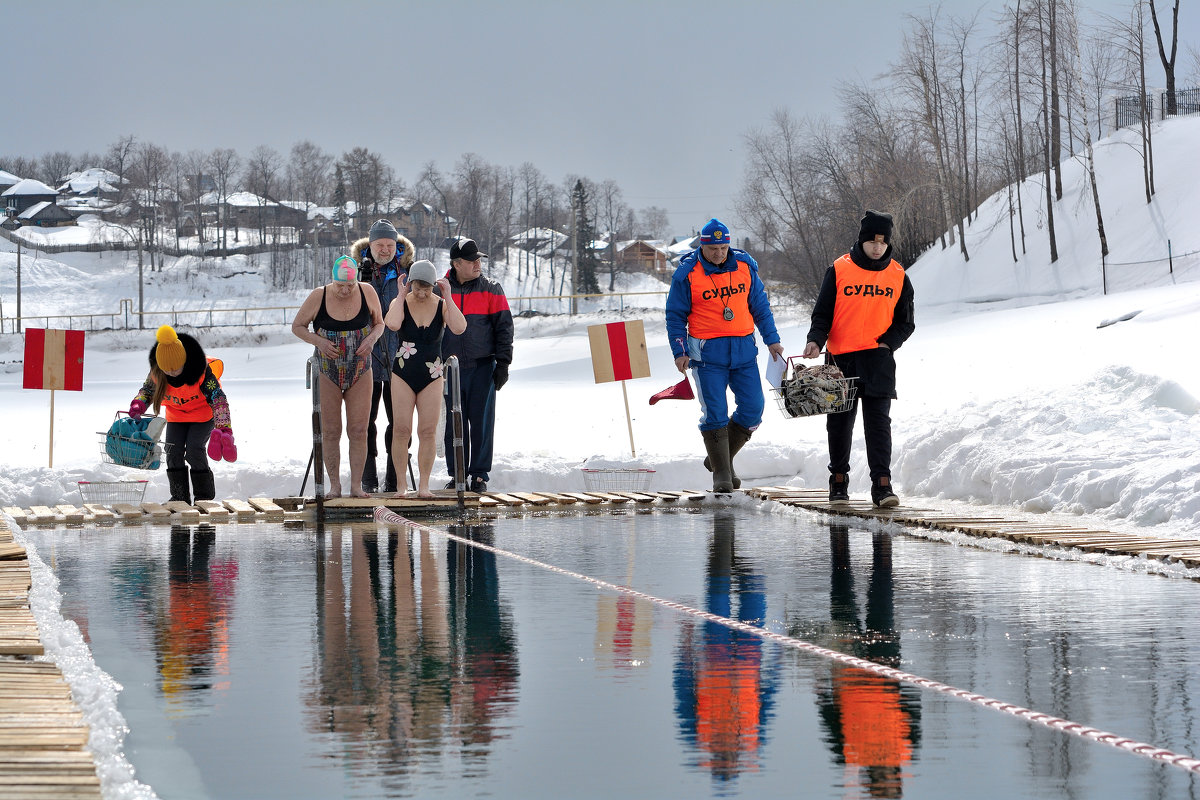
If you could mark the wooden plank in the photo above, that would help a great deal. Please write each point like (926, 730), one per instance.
(18, 514)
(561, 499)
(268, 507)
(99, 513)
(637, 497)
(158, 511)
(43, 515)
(535, 499)
(608, 497)
(214, 510)
(185, 511)
(587, 498)
(11, 552)
(127, 511)
(506, 499)
(70, 513)
(243, 510)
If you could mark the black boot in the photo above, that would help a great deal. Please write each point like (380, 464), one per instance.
(738, 436)
(882, 494)
(389, 476)
(370, 478)
(716, 442)
(839, 488)
(177, 480)
(204, 485)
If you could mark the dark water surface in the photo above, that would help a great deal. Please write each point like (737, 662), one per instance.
(260, 661)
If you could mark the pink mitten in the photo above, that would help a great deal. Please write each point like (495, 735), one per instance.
(214, 445)
(228, 448)
(137, 408)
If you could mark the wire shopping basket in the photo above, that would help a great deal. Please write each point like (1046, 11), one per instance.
(133, 442)
(806, 391)
(107, 493)
(624, 480)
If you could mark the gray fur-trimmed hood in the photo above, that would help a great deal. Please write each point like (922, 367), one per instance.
(359, 247)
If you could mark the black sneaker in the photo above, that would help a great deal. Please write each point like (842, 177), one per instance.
(882, 495)
(451, 485)
(838, 493)
(478, 485)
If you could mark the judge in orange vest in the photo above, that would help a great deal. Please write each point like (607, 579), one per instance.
(715, 302)
(863, 313)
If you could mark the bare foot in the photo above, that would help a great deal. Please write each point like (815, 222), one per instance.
(335, 490)
(425, 494)
(401, 494)
(359, 493)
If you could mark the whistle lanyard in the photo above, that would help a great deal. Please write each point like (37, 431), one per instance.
(728, 312)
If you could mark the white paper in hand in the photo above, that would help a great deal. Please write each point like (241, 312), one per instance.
(776, 368)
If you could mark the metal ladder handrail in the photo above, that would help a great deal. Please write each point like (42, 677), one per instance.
(453, 389)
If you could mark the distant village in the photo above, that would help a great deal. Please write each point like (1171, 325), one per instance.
(242, 222)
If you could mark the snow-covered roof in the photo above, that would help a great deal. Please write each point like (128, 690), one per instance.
(87, 186)
(238, 200)
(95, 174)
(684, 245)
(28, 186)
(8, 179)
(34, 210)
(651, 243)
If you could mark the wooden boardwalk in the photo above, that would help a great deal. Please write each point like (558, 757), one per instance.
(1024, 531)
(43, 739)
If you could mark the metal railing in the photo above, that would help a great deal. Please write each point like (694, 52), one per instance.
(127, 317)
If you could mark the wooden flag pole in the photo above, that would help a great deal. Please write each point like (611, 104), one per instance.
(628, 418)
(52, 429)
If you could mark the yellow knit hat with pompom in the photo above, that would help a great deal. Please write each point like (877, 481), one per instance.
(170, 354)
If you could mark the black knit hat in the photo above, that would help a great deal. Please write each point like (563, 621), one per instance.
(874, 224)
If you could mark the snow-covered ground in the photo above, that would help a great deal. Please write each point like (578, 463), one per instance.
(1011, 394)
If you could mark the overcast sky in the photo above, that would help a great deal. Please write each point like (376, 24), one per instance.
(657, 95)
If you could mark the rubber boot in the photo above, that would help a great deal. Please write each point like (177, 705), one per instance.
(370, 478)
(738, 436)
(389, 476)
(716, 442)
(177, 480)
(204, 486)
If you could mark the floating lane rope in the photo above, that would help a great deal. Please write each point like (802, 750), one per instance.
(386, 516)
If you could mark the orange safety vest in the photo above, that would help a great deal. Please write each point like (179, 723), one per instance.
(875, 729)
(864, 306)
(187, 403)
(712, 294)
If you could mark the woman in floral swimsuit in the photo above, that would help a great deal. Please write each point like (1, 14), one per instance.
(346, 322)
(421, 317)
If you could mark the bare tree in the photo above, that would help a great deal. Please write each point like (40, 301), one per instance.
(1168, 62)
(55, 167)
(224, 163)
(652, 222)
(262, 178)
(148, 176)
(195, 167)
(118, 158)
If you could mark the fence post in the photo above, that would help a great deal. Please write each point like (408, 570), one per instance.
(1170, 260)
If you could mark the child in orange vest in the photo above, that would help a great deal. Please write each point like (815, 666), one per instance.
(186, 382)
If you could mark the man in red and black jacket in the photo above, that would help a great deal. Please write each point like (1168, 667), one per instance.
(484, 352)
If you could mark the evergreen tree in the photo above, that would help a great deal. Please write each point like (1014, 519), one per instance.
(339, 202)
(585, 234)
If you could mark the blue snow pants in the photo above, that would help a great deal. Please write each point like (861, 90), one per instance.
(723, 364)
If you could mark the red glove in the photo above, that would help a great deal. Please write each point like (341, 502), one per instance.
(220, 444)
(137, 408)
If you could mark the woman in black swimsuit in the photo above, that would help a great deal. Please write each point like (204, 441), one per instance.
(420, 316)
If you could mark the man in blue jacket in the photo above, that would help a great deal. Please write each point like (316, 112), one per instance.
(384, 256)
(715, 302)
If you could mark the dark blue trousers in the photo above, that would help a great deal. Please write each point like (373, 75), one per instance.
(479, 420)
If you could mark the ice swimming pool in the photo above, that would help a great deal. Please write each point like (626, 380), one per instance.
(363, 661)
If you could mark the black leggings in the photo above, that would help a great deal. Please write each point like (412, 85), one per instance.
(188, 441)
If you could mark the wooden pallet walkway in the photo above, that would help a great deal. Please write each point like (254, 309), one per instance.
(43, 738)
(1025, 531)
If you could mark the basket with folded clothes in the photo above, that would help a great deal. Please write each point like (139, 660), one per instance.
(808, 391)
(130, 442)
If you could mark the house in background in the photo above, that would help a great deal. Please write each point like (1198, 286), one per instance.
(7, 181)
(32, 202)
(92, 182)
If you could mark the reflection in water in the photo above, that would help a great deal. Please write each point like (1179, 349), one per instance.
(724, 692)
(872, 722)
(409, 661)
(191, 637)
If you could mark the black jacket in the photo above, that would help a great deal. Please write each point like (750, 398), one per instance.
(875, 369)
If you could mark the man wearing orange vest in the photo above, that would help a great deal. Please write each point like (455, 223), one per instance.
(715, 302)
(863, 313)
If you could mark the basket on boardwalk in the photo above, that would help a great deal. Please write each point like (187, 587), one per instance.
(133, 442)
(621, 480)
(106, 493)
(807, 391)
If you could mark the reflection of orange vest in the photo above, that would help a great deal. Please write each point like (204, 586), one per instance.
(864, 306)
(187, 403)
(712, 294)
(875, 730)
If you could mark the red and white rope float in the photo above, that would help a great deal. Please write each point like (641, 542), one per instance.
(386, 516)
